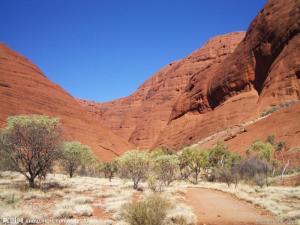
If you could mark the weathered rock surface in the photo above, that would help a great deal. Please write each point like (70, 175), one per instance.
(24, 89)
(262, 71)
(140, 117)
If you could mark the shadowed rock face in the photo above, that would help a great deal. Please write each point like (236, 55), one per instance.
(140, 117)
(262, 71)
(266, 61)
(24, 89)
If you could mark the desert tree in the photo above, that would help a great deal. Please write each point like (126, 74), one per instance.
(134, 165)
(30, 144)
(75, 155)
(280, 149)
(195, 160)
(220, 156)
(221, 162)
(165, 168)
(109, 169)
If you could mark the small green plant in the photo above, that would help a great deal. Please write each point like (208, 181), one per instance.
(151, 211)
(269, 111)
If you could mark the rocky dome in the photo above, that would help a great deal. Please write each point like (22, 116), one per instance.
(24, 89)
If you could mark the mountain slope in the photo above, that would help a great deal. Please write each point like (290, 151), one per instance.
(230, 81)
(24, 89)
(140, 117)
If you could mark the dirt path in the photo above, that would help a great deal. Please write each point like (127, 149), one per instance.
(218, 208)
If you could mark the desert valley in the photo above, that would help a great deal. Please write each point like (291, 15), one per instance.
(213, 138)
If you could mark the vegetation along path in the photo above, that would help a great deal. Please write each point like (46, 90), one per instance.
(214, 207)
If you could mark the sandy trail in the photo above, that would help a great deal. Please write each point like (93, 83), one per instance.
(218, 208)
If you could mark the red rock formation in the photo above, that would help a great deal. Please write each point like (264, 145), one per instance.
(218, 88)
(140, 117)
(24, 89)
(262, 71)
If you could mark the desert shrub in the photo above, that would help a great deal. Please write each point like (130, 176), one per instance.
(165, 168)
(225, 174)
(254, 169)
(220, 156)
(184, 169)
(134, 165)
(152, 183)
(151, 211)
(109, 169)
(261, 150)
(31, 144)
(195, 160)
(269, 111)
(74, 155)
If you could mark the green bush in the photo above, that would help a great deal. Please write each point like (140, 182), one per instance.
(193, 160)
(151, 211)
(261, 150)
(165, 168)
(134, 165)
(109, 169)
(74, 155)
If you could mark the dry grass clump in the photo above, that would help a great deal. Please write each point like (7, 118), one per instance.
(83, 210)
(181, 214)
(36, 194)
(64, 210)
(26, 214)
(80, 199)
(116, 200)
(69, 207)
(93, 221)
(151, 211)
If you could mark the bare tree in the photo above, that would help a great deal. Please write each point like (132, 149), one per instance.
(31, 144)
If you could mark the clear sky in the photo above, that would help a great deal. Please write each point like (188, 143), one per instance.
(105, 49)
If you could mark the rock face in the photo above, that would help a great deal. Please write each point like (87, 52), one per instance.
(24, 89)
(262, 71)
(140, 117)
(213, 92)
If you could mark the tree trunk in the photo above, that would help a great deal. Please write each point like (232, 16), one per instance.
(284, 169)
(31, 182)
(196, 176)
(71, 173)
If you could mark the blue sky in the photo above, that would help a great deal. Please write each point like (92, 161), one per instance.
(105, 49)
